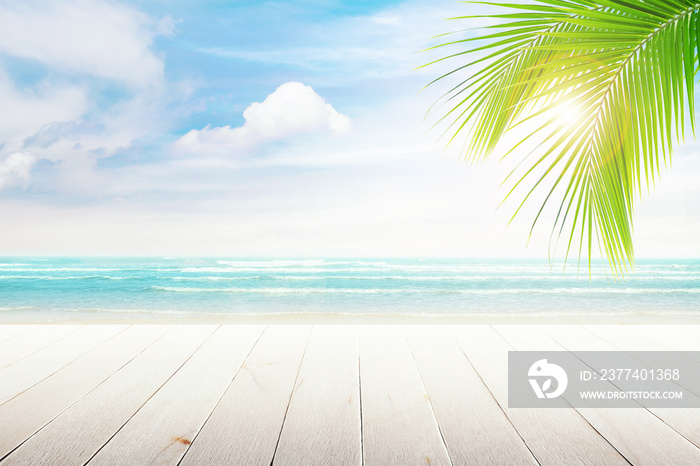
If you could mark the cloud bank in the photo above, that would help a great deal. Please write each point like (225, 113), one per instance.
(94, 37)
(99, 85)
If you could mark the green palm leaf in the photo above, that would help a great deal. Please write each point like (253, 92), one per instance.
(626, 67)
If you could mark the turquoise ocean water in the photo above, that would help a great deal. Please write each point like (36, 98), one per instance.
(66, 289)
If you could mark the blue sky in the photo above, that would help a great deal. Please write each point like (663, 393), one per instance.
(254, 128)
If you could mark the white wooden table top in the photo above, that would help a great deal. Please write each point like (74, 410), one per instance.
(316, 395)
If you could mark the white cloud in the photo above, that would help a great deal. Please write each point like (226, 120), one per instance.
(92, 37)
(166, 26)
(24, 112)
(104, 134)
(15, 169)
(292, 108)
(64, 122)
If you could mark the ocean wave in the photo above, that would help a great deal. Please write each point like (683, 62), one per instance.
(18, 308)
(282, 290)
(78, 277)
(376, 277)
(366, 270)
(78, 269)
(275, 263)
(276, 269)
(316, 274)
(301, 262)
(320, 277)
(274, 290)
(436, 278)
(502, 280)
(462, 270)
(213, 279)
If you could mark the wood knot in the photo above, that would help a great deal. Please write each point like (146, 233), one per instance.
(182, 440)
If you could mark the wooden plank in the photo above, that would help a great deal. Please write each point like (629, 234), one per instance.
(80, 431)
(162, 430)
(693, 330)
(398, 424)
(685, 422)
(620, 337)
(635, 432)
(27, 343)
(624, 338)
(245, 426)
(9, 331)
(16, 378)
(670, 337)
(475, 428)
(555, 436)
(24, 415)
(323, 424)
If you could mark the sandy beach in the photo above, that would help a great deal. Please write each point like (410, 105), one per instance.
(316, 394)
(329, 318)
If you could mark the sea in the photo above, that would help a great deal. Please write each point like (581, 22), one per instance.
(174, 289)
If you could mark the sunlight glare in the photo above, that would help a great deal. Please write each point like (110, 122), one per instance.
(567, 113)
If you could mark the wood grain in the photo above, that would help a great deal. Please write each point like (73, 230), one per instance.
(32, 369)
(678, 429)
(9, 331)
(475, 427)
(26, 414)
(549, 433)
(245, 425)
(398, 424)
(162, 430)
(671, 337)
(29, 342)
(79, 432)
(293, 394)
(323, 426)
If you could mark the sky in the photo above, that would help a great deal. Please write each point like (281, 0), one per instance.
(254, 128)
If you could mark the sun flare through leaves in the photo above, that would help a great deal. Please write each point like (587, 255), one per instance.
(597, 94)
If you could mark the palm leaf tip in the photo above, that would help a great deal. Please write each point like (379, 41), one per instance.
(603, 88)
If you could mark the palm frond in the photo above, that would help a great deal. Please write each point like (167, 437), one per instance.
(626, 67)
